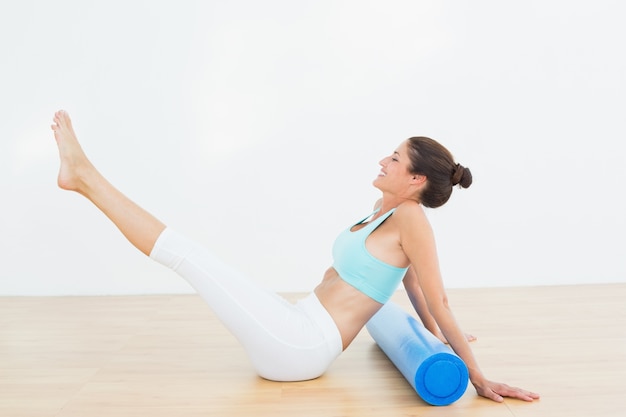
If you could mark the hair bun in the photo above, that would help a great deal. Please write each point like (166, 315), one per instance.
(462, 176)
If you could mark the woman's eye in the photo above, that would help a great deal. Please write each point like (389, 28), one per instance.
(394, 159)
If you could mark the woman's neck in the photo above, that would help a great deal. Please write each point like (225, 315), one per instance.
(388, 202)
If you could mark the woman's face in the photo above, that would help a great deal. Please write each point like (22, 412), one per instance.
(394, 173)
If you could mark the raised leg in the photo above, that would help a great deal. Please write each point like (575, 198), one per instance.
(285, 342)
(78, 174)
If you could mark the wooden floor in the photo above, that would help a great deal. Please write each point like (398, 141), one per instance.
(168, 356)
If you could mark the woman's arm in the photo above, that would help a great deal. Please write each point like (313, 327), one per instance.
(417, 241)
(416, 296)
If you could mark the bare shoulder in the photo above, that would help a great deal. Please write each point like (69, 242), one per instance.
(412, 219)
(412, 212)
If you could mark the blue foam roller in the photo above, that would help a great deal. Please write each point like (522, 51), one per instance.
(434, 371)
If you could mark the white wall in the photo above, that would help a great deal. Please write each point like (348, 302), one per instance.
(256, 128)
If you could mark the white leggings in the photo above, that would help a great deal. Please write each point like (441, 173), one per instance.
(284, 341)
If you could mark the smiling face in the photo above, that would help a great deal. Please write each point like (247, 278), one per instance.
(395, 177)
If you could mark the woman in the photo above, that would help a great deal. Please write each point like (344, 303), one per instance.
(289, 342)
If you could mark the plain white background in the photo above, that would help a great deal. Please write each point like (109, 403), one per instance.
(256, 128)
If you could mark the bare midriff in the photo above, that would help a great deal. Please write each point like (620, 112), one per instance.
(349, 307)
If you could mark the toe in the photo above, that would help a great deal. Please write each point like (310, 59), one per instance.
(66, 117)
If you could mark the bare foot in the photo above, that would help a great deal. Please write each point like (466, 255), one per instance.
(74, 162)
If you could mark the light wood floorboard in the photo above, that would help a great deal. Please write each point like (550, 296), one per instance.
(168, 356)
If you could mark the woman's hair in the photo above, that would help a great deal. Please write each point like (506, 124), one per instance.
(435, 162)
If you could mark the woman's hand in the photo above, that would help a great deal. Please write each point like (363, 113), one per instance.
(496, 391)
(439, 335)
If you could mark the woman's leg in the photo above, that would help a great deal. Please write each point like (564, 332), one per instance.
(78, 174)
(284, 342)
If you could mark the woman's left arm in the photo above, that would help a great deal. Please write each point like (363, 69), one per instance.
(418, 243)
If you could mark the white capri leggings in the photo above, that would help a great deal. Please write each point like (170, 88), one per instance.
(284, 341)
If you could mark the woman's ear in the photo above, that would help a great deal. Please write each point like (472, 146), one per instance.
(418, 180)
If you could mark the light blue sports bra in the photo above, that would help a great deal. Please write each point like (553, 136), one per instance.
(356, 266)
